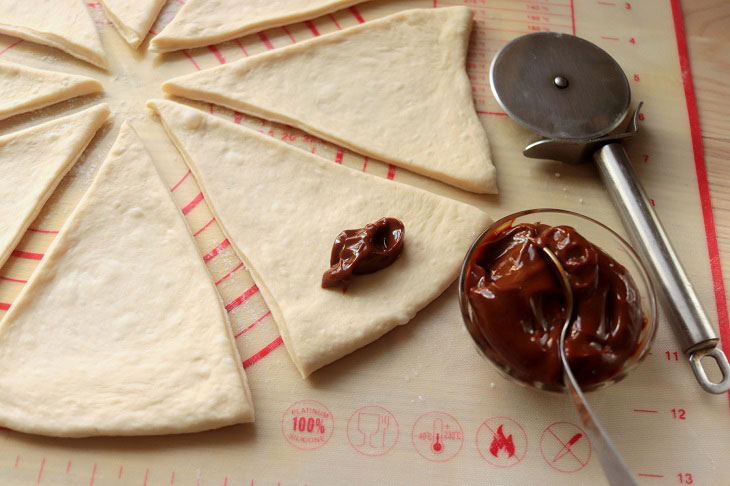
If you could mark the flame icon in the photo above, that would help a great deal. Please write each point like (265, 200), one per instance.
(502, 442)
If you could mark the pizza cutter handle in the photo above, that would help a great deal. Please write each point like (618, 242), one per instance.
(674, 289)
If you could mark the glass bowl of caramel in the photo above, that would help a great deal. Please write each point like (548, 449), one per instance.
(514, 305)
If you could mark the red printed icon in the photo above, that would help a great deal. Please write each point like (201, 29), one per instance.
(565, 447)
(501, 441)
(437, 436)
(307, 424)
(372, 431)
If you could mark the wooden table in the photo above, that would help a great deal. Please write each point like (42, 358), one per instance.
(707, 23)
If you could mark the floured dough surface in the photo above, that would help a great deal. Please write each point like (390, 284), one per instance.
(24, 89)
(282, 208)
(132, 18)
(137, 342)
(395, 89)
(203, 22)
(33, 161)
(63, 24)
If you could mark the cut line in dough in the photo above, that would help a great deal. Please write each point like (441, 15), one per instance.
(281, 208)
(33, 162)
(24, 89)
(203, 22)
(63, 24)
(120, 331)
(132, 19)
(394, 89)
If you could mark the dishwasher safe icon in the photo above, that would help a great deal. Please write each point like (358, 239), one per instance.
(372, 430)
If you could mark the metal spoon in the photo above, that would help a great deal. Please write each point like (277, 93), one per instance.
(614, 467)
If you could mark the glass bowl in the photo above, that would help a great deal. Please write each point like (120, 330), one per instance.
(601, 236)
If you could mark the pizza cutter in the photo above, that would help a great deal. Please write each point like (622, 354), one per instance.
(575, 95)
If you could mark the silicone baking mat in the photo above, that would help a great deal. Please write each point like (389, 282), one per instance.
(371, 418)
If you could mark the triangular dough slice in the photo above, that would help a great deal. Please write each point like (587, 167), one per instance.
(394, 89)
(120, 330)
(24, 89)
(132, 18)
(33, 161)
(282, 208)
(63, 24)
(203, 22)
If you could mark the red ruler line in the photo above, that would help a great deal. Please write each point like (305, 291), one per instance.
(334, 21)
(238, 267)
(261, 354)
(192, 204)
(11, 46)
(16, 280)
(247, 328)
(391, 171)
(48, 232)
(238, 43)
(4, 306)
(286, 31)
(357, 15)
(242, 298)
(265, 40)
(217, 54)
(702, 183)
(216, 251)
(312, 28)
(172, 189)
(27, 255)
(187, 54)
(204, 227)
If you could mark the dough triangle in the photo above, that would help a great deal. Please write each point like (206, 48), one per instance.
(132, 18)
(33, 161)
(120, 330)
(282, 208)
(24, 89)
(394, 89)
(63, 24)
(203, 22)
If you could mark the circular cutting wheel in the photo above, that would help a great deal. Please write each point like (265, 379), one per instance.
(560, 86)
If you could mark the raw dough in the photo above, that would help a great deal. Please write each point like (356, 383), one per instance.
(203, 22)
(132, 18)
(394, 89)
(24, 89)
(282, 208)
(33, 161)
(120, 330)
(63, 24)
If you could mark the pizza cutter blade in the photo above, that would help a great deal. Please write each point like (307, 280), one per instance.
(575, 95)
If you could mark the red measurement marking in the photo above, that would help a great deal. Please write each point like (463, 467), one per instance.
(47, 232)
(242, 298)
(216, 251)
(338, 157)
(187, 54)
(701, 170)
(391, 171)
(27, 255)
(312, 28)
(119, 476)
(203, 228)
(68, 466)
(645, 475)
(609, 38)
(357, 15)
(172, 478)
(608, 4)
(238, 267)
(217, 54)
(246, 329)
(551, 14)
(261, 354)
(17, 460)
(146, 475)
(192, 204)
(210, 107)
(172, 189)
(266, 40)
(572, 15)
(225, 480)
(40, 471)
(495, 113)
(16, 280)
(4, 306)
(238, 43)
(334, 21)
(364, 164)
(93, 473)
(93, 4)
(286, 31)
(646, 411)
(11, 46)
(237, 118)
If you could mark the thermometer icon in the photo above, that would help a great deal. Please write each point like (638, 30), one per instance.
(438, 433)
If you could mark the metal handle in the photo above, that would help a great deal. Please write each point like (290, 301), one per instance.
(674, 289)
